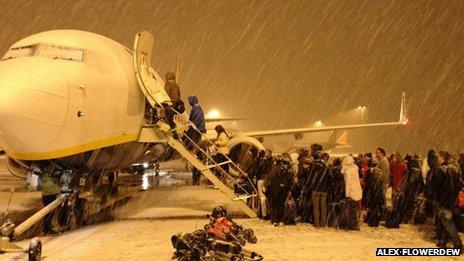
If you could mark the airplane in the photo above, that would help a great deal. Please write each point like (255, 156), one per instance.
(332, 143)
(81, 100)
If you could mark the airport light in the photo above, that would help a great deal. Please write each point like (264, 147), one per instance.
(318, 123)
(362, 108)
(213, 114)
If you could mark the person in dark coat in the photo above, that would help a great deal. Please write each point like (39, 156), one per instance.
(305, 179)
(171, 87)
(373, 198)
(431, 182)
(413, 186)
(448, 187)
(196, 114)
(197, 117)
(173, 91)
(321, 184)
(263, 167)
(278, 184)
(302, 155)
(302, 176)
(336, 192)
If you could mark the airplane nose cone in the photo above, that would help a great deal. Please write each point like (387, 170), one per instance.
(33, 105)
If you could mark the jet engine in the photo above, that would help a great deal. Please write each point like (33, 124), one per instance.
(16, 168)
(242, 147)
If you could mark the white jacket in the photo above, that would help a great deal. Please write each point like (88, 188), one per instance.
(222, 142)
(352, 183)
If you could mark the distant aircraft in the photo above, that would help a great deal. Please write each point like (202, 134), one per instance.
(80, 99)
(332, 143)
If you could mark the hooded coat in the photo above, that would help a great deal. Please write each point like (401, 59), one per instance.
(337, 192)
(413, 186)
(197, 115)
(373, 189)
(172, 89)
(278, 184)
(321, 179)
(449, 186)
(352, 184)
(431, 180)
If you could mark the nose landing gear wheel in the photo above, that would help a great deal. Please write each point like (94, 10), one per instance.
(35, 250)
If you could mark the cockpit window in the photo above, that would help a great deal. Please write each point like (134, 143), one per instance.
(17, 52)
(44, 50)
(60, 52)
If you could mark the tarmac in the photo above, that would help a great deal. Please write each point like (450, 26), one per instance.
(141, 228)
(23, 203)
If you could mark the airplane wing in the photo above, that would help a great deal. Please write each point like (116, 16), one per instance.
(403, 120)
(224, 119)
(307, 130)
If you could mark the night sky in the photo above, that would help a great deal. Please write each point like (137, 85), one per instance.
(289, 63)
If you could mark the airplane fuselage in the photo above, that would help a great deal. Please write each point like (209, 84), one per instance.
(70, 95)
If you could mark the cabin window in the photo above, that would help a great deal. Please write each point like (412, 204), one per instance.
(17, 52)
(44, 50)
(60, 52)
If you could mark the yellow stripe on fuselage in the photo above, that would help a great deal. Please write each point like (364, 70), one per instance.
(75, 149)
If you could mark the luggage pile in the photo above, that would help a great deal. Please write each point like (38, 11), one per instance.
(220, 239)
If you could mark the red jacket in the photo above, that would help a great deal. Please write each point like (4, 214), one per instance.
(461, 199)
(397, 171)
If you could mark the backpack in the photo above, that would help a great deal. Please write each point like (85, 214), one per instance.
(392, 219)
(290, 211)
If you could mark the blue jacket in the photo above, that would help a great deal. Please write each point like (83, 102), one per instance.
(196, 114)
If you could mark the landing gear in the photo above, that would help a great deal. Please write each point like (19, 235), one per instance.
(34, 253)
(82, 212)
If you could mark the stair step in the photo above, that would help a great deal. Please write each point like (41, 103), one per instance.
(216, 165)
(242, 197)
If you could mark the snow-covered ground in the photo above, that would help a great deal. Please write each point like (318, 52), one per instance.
(148, 239)
(143, 227)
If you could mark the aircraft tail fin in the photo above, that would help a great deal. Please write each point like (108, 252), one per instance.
(343, 139)
(403, 113)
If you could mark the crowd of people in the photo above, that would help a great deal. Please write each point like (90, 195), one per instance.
(340, 193)
(309, 187)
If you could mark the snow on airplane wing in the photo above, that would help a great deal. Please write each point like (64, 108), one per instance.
(224, 119)
(318, 129)
(403, 120)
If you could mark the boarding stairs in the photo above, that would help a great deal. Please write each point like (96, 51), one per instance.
(160, 132)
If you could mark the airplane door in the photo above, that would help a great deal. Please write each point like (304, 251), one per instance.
(149, 81)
